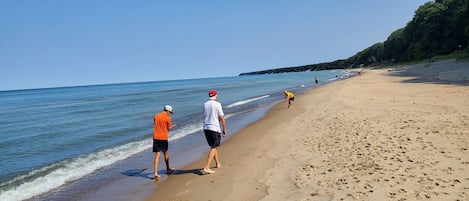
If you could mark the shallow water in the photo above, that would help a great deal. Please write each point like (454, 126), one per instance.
(49, 134)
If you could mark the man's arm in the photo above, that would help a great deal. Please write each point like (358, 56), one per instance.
(170, 126)
(223, 124)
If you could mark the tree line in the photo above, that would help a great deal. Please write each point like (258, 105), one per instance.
(438, 27)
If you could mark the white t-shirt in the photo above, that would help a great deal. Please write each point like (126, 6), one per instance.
(212, 110)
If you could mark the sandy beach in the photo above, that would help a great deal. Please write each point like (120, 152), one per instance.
(398, 133)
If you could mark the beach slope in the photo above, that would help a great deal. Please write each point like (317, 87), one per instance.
(389, 134)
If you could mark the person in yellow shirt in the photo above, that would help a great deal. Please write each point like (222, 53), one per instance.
(161, 127)
(289, 97)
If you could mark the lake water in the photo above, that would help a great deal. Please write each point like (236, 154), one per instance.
(49, 134)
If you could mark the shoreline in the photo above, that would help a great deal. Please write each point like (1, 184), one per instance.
(110, 182)
(138, 169)
(385, 134)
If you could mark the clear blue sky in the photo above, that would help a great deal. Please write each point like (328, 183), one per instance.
(53, 43)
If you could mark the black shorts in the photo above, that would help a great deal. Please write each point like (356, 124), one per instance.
(160, 145)
(292, 99)
(213, 138)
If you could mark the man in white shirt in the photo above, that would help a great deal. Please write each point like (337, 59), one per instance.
(213, 116)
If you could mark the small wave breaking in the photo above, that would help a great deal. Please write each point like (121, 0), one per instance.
(50, 177)
(242, 102)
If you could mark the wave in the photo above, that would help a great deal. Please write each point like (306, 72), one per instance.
(186, 130)
(193, 128)
(50, 177)
(246, 101)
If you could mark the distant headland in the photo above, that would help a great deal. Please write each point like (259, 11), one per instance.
(437, 28)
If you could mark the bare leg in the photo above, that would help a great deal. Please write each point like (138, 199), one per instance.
(166, 160)
(217, 161)
(157, 158)
(211, 155)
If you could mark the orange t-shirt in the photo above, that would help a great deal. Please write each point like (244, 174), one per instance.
(161, 124)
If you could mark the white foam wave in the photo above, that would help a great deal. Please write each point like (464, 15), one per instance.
(246, 101)
(186, 130)
(70, 170)
(348, 73)
(192, 128)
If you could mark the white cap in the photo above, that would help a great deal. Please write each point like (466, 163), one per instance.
(168, 108)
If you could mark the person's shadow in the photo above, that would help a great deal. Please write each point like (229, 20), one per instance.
(149, 175)
(197, 171)
(138, 173)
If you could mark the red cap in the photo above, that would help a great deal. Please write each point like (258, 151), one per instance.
(212, 93)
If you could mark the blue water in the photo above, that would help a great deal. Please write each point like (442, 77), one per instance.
(49, 134)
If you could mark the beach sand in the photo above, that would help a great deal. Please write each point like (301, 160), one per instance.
(389, 134)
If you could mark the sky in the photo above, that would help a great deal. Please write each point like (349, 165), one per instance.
(57, 43)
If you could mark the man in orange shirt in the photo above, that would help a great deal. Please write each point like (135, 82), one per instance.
(162, 124)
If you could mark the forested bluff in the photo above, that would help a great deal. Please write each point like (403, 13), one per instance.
(438, 27)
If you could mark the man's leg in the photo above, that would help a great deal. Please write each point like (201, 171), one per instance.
(217, 161)
(157, 158)
(211, 155)
(166, 160)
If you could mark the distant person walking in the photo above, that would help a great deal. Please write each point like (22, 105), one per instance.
(213, 116)
(316, 80)
(161, 126)
(289, 97)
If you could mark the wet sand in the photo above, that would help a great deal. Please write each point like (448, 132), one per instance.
(389, 134)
